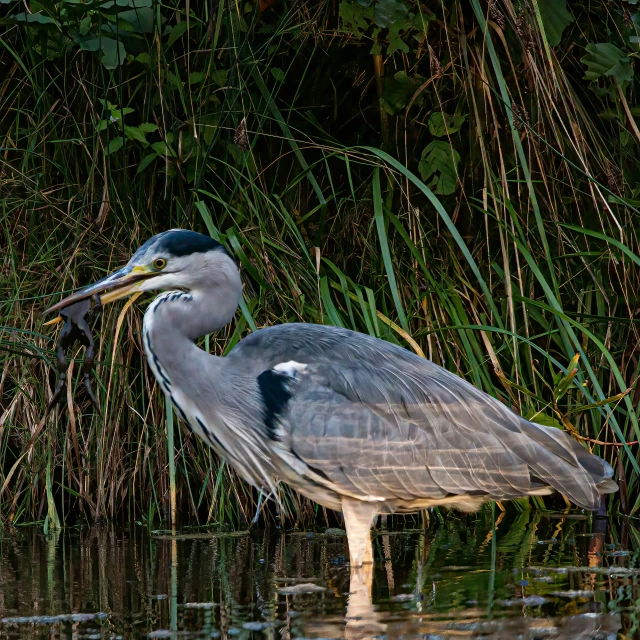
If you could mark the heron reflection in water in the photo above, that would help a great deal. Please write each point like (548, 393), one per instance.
(350, 421)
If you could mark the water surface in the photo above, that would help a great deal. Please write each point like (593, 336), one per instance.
(537, 577)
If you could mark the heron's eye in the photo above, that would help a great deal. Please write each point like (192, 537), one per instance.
(159, 263)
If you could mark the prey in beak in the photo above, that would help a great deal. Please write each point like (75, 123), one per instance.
(119, 284)
(74, 311)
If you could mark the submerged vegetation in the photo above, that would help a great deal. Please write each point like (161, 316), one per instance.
(456, 176)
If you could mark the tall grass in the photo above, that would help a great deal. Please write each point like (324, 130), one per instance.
(297, 135)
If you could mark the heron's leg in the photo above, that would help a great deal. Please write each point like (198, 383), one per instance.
(358, 518)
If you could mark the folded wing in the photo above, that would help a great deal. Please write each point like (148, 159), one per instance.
(380, 423)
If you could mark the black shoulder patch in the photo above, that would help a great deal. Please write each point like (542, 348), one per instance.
(275, 396)
(180, 242)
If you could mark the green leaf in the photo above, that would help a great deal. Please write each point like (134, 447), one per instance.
(134, 133)
(386, 12)
(439, 162)
(113, 52)
(220, 77)
(102, 125)
(162, 149)
(114, 145)
(555, 19)
(177, 32)
(85, 25)
(355, 17)
(173, 81)
(143, 58)
(196, 77)
(393, 36)
(148, 127)
(398, 90)
(92, 44)
(441, 124)
(605, 59)
(542, 418)
(278, 74)
(209, 124)
(32, 18)
(141, 19)
(145, 162)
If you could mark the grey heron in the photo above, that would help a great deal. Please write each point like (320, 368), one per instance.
(355, 423)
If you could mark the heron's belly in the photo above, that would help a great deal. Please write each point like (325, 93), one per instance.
(319, 494)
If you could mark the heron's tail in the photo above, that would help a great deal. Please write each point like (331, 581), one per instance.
(581, 476)
(600, 470)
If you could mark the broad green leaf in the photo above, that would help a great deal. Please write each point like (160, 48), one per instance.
(220, 77)
(33, 18)
(605, 59)
(398, 90)
(134, 133)
(162, 149)
(148, 127)
(387, 12)
(114, 145)
(143, 58)
(355, 17)
(146, 161)
(555, 19)
(85, 25)
(278, 74)
(539, 417)
(439, 162)
(113, 52)
(441, 124)
(177, 32)
(196, 77)
(117, 114)
(92, 44)
(396, 43)
(173, 81)
(209, 125)
(141, 19)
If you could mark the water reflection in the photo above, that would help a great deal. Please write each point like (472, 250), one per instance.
(551, 577)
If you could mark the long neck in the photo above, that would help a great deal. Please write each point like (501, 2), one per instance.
(211, 395)
(171, 324)
(191, 314)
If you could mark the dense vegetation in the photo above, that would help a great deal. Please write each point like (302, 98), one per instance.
(457, 176)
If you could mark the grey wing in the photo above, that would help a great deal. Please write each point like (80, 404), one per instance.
(375, 422)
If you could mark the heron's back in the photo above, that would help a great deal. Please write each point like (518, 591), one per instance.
(364, 418)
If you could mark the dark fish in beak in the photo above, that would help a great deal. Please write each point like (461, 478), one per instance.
(75, 328)
(116, 285)
(74, 311)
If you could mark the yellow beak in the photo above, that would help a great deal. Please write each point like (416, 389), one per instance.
(117, 285)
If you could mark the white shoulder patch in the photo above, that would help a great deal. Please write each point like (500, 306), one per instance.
(290, 368)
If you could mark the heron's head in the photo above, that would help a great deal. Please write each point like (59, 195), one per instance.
(175, 259)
